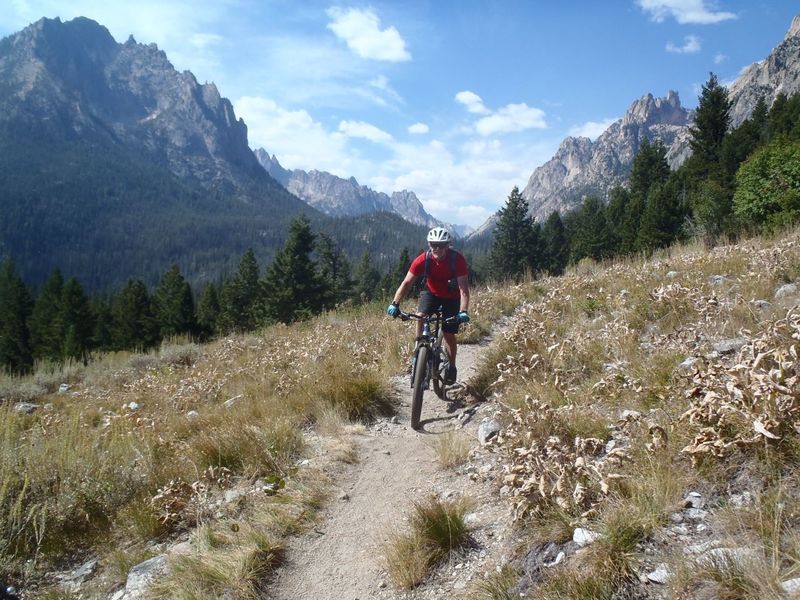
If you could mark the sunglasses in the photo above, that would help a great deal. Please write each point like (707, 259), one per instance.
(438, 244)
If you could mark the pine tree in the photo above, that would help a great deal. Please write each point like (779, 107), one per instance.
(514, 244)
(76, 321)
(47, 335)
(173, 305)
(240, 297)
(208, 311)
(335, 270)
(367, 279)
(592, 236)
(134, 327)
(292, 288)
(650, 169)
(555, 245)
(16, 306)
(711, 123)
(102, 317)
(660, 220)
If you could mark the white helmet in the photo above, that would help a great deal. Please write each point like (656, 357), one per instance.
(439, 235)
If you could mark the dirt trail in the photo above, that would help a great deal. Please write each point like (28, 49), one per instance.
(342, 558)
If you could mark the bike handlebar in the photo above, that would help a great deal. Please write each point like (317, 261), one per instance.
(404, 316)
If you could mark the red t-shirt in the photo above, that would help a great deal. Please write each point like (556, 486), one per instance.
(439, 272)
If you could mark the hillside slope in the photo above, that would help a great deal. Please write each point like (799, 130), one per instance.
(645, 443)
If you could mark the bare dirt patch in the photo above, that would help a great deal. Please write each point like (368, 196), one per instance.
(343, 556)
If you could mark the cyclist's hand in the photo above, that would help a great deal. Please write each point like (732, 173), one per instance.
(463, 317)
(393, 310)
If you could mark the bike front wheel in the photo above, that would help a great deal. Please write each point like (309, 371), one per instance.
(418, 386)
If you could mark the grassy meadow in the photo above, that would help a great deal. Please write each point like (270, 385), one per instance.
(606, 426)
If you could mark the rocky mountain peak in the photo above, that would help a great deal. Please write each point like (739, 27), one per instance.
(794, 29)
(648, 110)
(581, 166)
(779, 73)
(341, 197)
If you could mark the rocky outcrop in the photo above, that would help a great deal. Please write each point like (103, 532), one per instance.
(581, 166)
(779, 73)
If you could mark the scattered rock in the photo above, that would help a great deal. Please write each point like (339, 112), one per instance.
(25, 407)
(676, 518)
(694, 500)
(133, 406)
(660, 575)
(788, 289)
(488, 429)
(344, 496)
(582, 536)
(192, 414)
(672, 274)
(687, 365)
(63, 388)
(761, 304)
(141, 577)
(741, 500)
(696, 514)
(791, 586)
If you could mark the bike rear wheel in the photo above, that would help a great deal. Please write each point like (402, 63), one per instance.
(418, 387)
(437, 376)
(438, 382)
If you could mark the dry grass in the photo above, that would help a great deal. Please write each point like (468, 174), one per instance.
(452, 448)
(608, 338)
(437, 529)
(81, 471)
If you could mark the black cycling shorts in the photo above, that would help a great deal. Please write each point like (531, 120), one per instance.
(428, 303)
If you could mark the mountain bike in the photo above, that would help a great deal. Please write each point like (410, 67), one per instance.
(429, 361)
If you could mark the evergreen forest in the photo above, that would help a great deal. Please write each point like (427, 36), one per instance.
(737, 182)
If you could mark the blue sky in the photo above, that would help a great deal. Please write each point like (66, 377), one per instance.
(457, 100)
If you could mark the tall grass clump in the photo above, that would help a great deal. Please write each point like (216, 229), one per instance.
(437, 529)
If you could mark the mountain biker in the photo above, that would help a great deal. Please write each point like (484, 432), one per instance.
(446, 273)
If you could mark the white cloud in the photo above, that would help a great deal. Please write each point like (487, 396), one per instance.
(685, 12)
(360, 30)
(719, 58)
(691, 45)
(367, 131)
(294, 137)
(512, 118)
(472, 101)
(418, 128)
(204, 40)
(591, 129)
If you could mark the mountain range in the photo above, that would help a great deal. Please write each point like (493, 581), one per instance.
(115, 165)
(340, 197)
(582, 166)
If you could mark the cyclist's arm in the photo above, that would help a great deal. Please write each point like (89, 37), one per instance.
(404, 287)
(463, 286)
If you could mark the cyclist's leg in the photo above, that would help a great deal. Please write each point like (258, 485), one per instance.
(428, 303)
(450, 309)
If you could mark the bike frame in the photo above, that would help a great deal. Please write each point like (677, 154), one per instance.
(431, 342)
